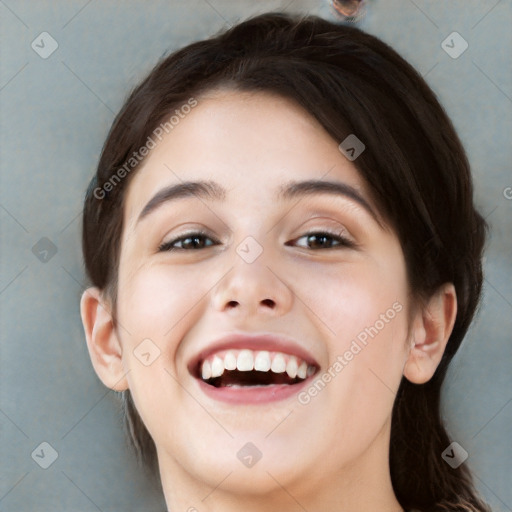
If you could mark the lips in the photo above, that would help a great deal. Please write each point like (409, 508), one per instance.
(252, 368)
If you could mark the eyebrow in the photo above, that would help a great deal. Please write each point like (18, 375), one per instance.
(301, 189)
(210, 190)
(199, 189)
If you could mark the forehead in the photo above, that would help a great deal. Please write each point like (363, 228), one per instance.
(250, 143)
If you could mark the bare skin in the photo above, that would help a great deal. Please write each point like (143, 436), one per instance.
(327, 450)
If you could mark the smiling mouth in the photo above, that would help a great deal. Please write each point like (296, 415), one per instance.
(252, 369)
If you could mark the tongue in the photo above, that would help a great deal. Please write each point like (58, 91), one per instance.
(252, 378)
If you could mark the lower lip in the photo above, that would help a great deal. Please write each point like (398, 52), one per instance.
(251, 395)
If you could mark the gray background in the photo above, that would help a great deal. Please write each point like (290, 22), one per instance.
(55, 116)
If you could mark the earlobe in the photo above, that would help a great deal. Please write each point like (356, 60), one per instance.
(103, 344)
(431, 330)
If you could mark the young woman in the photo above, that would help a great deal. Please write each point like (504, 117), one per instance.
(284, 257)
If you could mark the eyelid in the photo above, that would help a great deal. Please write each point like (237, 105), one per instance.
(340, 236)
(164, 246)
(342, 240)
(340, 233)
(321, 222)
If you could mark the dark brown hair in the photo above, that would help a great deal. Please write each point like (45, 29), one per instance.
(414, 165)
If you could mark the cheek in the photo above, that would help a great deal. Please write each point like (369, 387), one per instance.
(351, 299)
(156, 304)
(367, 320)
(153, 301)
(154, 311)
(363, 311)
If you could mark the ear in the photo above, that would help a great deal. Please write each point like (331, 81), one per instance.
(102, 340)
(431, 329)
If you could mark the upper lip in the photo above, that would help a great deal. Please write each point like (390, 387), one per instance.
(255, 341)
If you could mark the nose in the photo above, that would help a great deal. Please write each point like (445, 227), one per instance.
(252, 289)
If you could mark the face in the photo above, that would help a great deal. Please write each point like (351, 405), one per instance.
(281, 260)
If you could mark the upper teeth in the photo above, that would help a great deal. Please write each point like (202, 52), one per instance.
(247, 360)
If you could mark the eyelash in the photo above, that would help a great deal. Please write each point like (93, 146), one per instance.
(168, 246)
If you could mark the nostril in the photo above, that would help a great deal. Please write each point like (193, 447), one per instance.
(268, 302)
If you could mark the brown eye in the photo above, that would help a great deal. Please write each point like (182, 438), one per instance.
(322, 240)
(191, 241)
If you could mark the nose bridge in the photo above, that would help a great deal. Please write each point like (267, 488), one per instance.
(253, 282)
